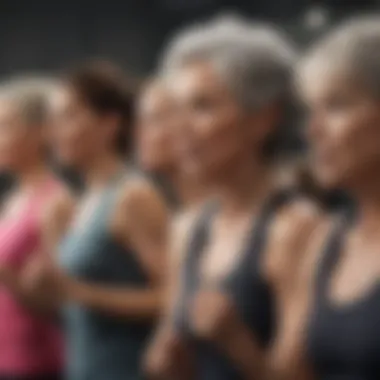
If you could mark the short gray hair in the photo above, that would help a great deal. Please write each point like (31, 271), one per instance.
(254, 59)
(353, 46)
(30, 97)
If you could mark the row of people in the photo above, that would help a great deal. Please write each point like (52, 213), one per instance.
(244, 275)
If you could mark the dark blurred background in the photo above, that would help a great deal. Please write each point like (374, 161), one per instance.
(46, 35)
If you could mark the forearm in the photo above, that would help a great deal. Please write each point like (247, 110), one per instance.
(242, 349)
(132, 303)
(31, 297)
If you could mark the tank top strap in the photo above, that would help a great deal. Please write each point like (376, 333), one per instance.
(197, 242)
(331, 253)
(260, 228)
(189, 276)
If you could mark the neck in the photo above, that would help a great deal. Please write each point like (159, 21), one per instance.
(102, 169)
(367, 197)
(245, 185)
(189, 192)
(33, 174)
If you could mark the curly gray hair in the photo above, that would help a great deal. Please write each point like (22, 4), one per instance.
(255, 60)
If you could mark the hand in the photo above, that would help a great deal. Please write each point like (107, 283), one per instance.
(167, 357)
(212, 315)
(42, 278)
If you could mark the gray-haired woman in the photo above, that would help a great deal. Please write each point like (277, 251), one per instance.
(338, 284)
(231, 79)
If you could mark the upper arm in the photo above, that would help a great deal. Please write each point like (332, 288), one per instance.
(301, 248)
(289, 235)
(141, 220)
(53, 222)
(55, 219)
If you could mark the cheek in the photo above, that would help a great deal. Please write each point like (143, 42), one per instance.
(155, 148)
(8, 149)
(222, 140)
(347, 145)
(72, 140)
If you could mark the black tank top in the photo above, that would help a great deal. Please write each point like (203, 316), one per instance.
(246, 286)
(343, 340)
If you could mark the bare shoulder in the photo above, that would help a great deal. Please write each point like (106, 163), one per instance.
(290, 233)
(57, 215)
(139, 194)
(139, 209)
(59, 208)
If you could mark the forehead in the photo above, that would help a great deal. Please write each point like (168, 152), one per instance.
(7, 110)
(59, 98)
(155, 97)
(323, 76)
(196, 78)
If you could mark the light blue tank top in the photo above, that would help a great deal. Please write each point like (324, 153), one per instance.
(100, 346)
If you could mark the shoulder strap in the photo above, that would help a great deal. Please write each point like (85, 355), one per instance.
(197, 241)
(331, 252)
(259, 235)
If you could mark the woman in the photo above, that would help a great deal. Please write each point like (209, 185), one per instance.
(112, 241)
(159, 122)
(159, 125)
(338, 286)
(30, 344)
(231, 81)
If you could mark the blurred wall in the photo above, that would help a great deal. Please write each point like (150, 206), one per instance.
(48, 35)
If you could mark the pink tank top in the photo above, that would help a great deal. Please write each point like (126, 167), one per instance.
(29, 344)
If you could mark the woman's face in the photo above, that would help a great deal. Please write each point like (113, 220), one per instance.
(343, 129)
(79, 134)
(20, 144)
(217, 132)
(158, 124)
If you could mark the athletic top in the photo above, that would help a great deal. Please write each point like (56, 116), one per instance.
(100, 346)
(248, 289)
(29, 344)
(343, 340)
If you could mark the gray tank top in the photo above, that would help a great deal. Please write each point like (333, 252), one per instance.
(246, 286)
(101, 347)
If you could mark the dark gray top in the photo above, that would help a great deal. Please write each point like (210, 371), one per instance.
(246, 285)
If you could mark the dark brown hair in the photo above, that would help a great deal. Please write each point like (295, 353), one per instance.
(104, 88)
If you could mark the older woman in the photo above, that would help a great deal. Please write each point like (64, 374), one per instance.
(338, 286)
(30, 344)
(231, 80)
